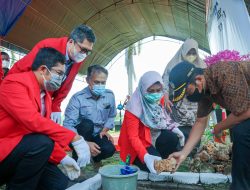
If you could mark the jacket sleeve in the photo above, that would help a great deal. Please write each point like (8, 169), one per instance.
(57, 155)
(14, 98)
(132, 123)
(25, 63)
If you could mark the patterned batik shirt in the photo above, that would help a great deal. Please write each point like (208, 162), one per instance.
(228, 84)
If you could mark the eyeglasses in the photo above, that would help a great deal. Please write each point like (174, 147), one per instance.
(83, 49)
(61, 74)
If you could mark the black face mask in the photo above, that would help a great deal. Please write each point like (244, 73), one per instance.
(196, 96)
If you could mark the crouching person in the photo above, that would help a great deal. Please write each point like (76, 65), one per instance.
(91, 113)
(31, 143)
(147, 132)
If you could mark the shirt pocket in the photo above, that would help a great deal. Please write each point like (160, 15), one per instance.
(85, 111)
(105, 111)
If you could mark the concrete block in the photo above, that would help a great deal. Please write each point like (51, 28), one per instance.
(213, 178)
(186, 177)
(74, 187)
(164, 176)
(229, 178)
(142, 176)
(93, 183)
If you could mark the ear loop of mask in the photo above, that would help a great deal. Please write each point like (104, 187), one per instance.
(48, 71)
(43, 74)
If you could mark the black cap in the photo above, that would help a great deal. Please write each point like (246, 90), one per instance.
(179, 78)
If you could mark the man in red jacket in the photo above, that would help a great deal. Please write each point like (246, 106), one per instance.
(76, 48)
(31, 143)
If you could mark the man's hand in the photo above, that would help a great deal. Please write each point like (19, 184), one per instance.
(94, 148)
(82, 150)
(218, 133)
(179, 157)
(56, 117)
(71, 167)
(105, 133)
(167, 103)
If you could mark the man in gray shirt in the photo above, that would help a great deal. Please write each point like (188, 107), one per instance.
(91, 113)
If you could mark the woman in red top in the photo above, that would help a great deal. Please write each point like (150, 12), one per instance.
(144, 135)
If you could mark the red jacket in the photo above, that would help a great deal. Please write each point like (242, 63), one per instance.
(20, 114)
(25, 63)
(1, 69)
(134, 138)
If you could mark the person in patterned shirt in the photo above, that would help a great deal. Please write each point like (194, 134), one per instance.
(227, 84)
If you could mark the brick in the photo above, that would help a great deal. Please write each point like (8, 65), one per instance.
(93, 183)
(142, 176)
(74, 187)
(186, 177)
(229, 178)
(213, 178)
(164, 176)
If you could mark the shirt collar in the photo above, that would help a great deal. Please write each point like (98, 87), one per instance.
(42, 93)
(66, 55)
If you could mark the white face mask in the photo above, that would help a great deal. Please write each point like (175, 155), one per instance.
(77, 56)
(5, 64)
(190, 58)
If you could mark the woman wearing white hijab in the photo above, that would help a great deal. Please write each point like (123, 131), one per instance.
(147, 132)
(183, 112)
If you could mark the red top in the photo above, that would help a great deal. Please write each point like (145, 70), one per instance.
(25, 63)
(134, 138)
(1, 68)
(20, 114)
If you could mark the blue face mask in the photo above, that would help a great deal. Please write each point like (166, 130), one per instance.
(98, 90)
(153, 97)
(54, 83)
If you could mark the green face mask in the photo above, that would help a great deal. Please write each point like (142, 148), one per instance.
(153, 97)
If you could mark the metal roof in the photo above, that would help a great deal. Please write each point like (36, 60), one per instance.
(116, 23)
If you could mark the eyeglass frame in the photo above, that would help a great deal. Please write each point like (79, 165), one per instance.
(83, 49)
(61, 74)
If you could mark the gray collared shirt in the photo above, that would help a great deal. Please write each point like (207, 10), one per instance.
(68, 65)
(83, 105)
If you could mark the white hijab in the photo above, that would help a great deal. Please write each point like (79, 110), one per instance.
(151, 115)
(179, 57)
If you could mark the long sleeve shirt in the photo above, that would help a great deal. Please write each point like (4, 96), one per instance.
(83, 105)
(228, 84)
